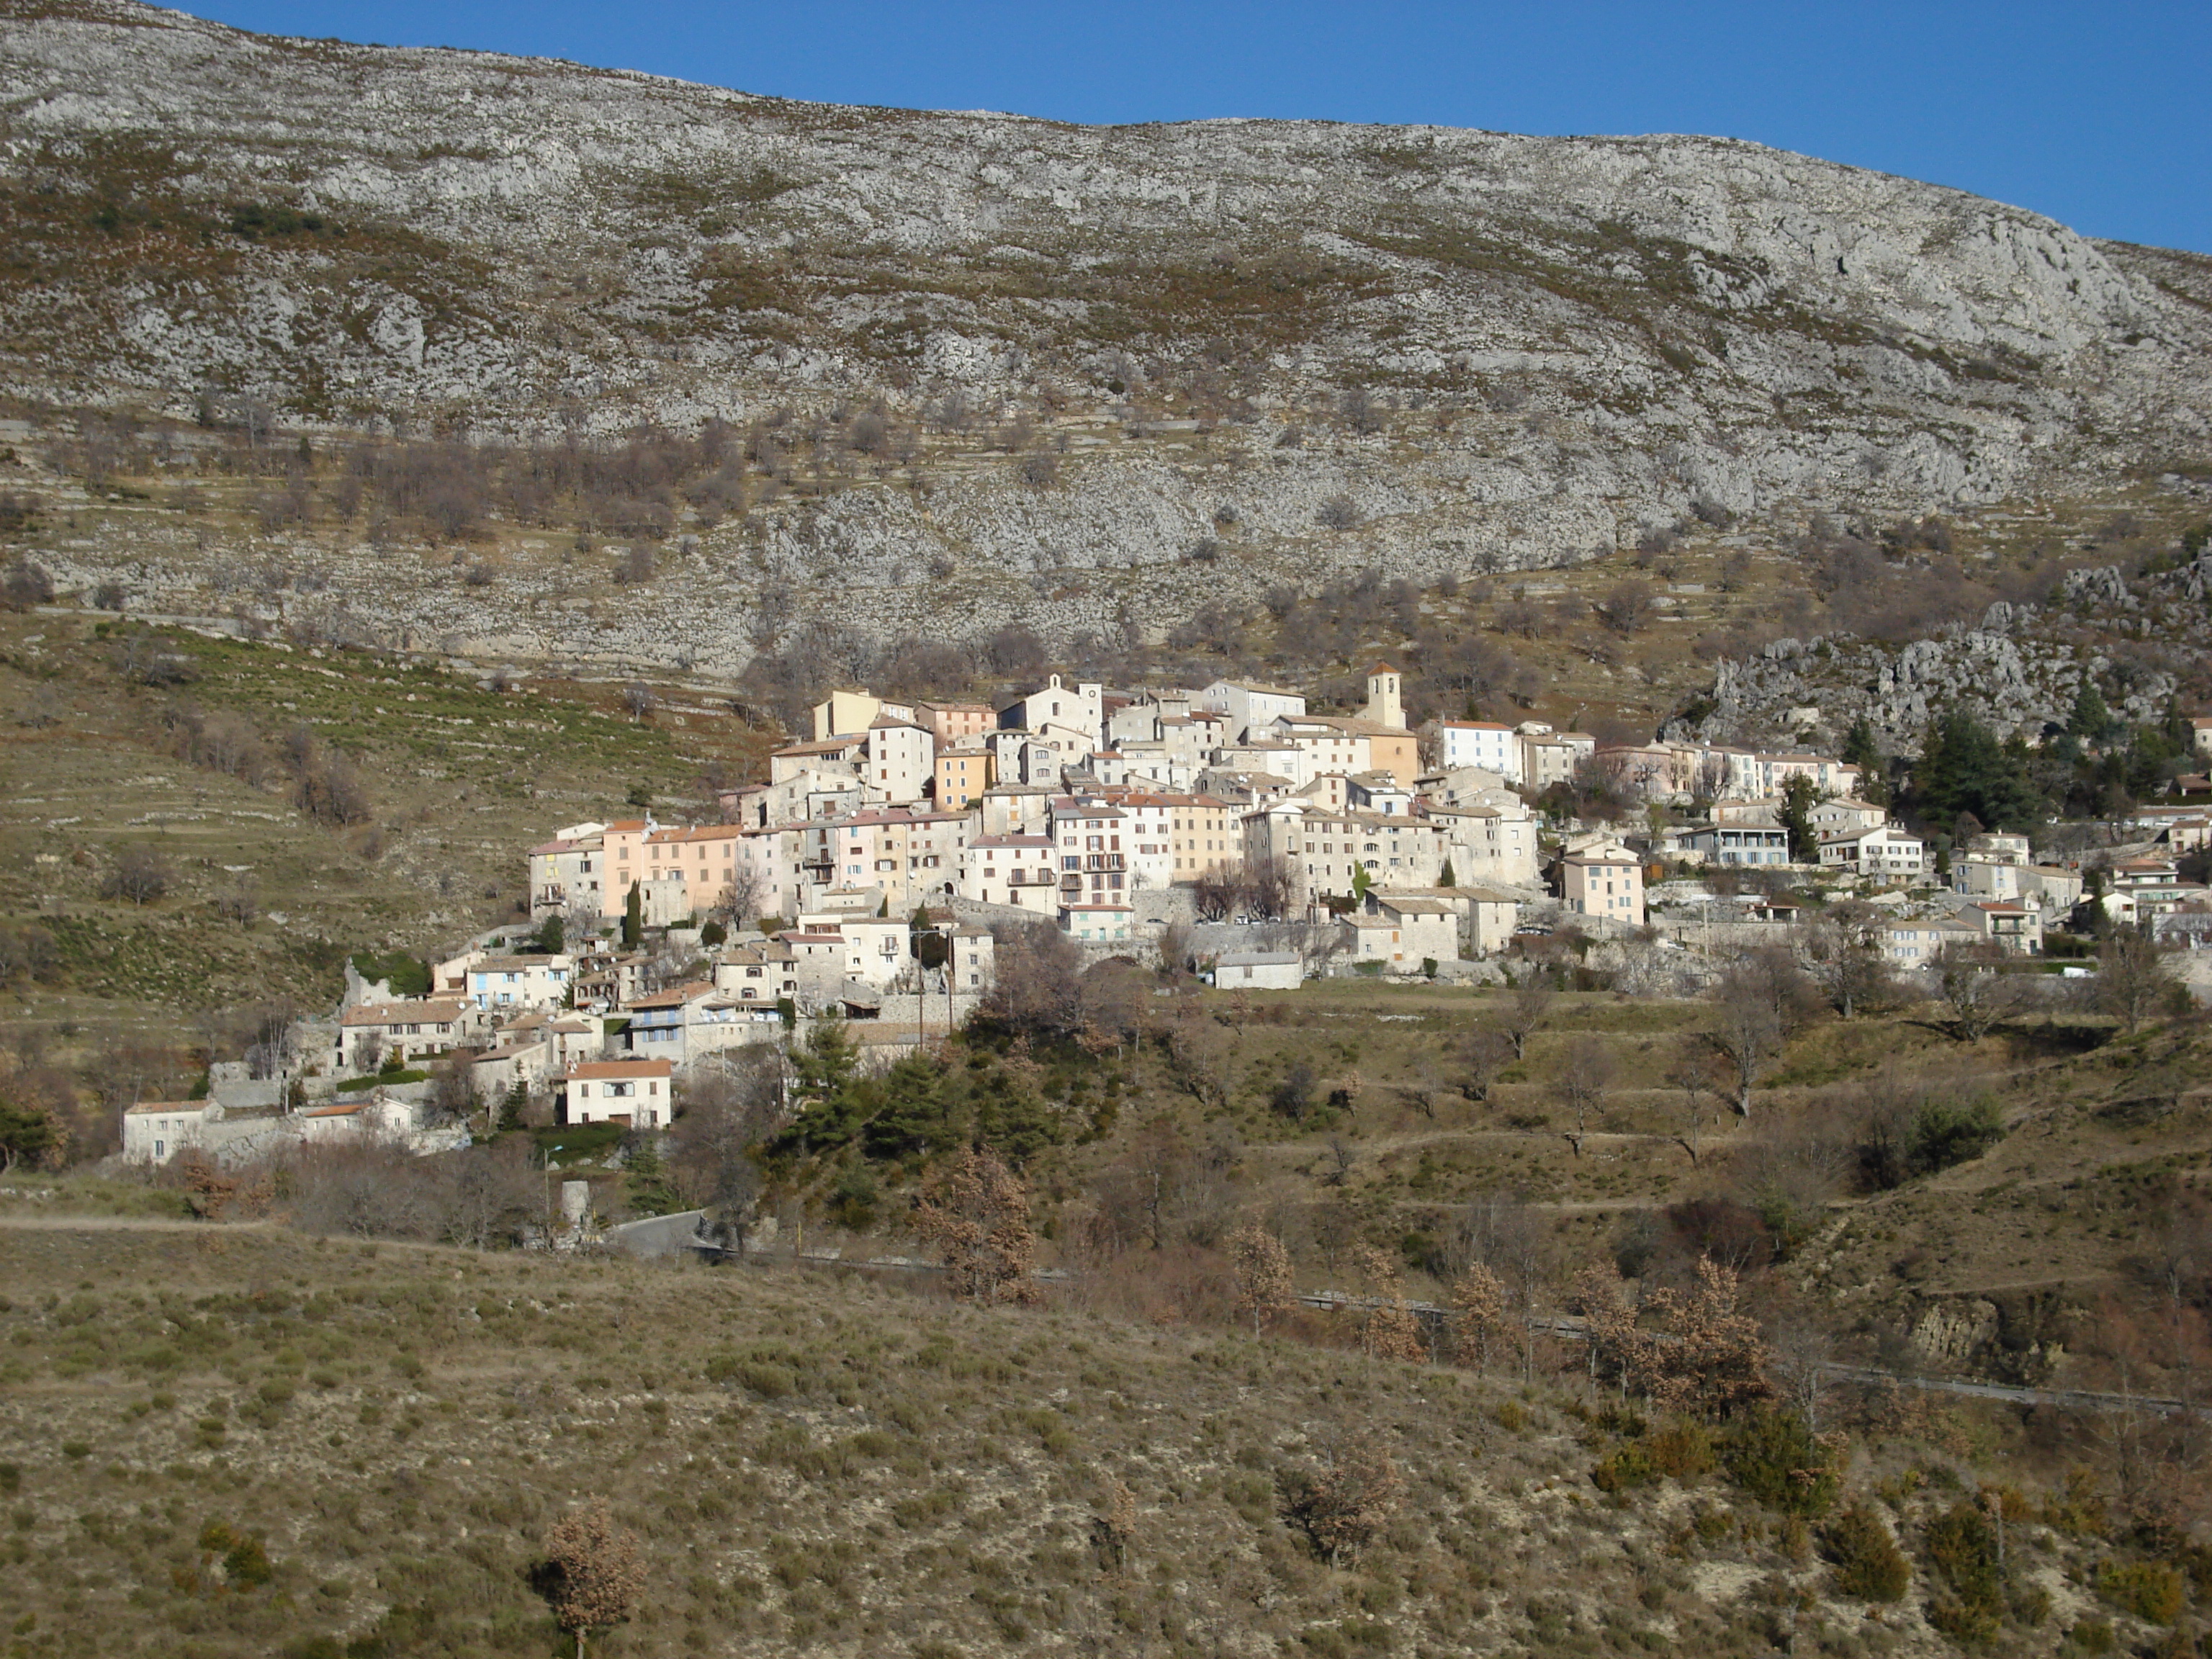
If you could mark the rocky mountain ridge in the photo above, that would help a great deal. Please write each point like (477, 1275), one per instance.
(1302, 349)
(2021, 666)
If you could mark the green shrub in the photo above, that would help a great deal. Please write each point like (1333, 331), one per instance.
(1947, 1133)
(246, 1563)
(2150, 1592)
(1869, 1566)
(2091, 1636)
(1684, 1451)
(1681, 1450)
(1775, 1457)
(1962, 1547)
(407, 975)
(1628, 1467)
(1968, 1624)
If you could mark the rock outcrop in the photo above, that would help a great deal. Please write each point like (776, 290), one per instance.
(1463, 349)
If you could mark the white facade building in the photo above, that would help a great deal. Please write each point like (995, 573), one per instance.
(1485, 743)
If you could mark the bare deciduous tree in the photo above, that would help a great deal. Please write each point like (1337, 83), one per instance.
(1499, 1231)
(1747, 1036)
(1267, 888)
(1478, 1300)
(1582, 1083)
(1343, 1503)
(1703, 1354)
(1845, 943)
(724, 1112)
(1392, 1330)
(976, 1213)
(1212, 897)
(1976, 991)
(1263, 1275)
(1627, 605)
(2135, 981)
(141, 875)
(1479, 1058)
(1527, 1009)
(1692, 1073)
(1039, 989)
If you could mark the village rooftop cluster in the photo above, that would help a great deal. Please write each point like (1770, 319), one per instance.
(874, 875)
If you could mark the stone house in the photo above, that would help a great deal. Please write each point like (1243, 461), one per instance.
(912, 856)
(1419, 928)
(370, 1032)
(1097, 921)
(1490, 919)
(954, 722)
(1548, 757)
(1603, 881)
(758, 974)
(1330, 852)
(566, 873)
(1738, 843)
(509, 984)
(1489, 844)
(2016, 929)
(1089, 837)
(902, 760)
(1887, 852)
(1844, 815)
(155, 1131)
(1247, 708)
(965, 769)
(1485, 744)
(1259, 970)
(1913, 943)
(843, 713)
(1079, 709)
(527, 1059)
(637, 1092)
(1021, 871)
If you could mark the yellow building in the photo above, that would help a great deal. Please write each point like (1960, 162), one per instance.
(964, 771)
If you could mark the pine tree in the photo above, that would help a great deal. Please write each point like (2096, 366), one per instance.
(1862, 749)
(2091, 719)
(1798, 796)
(830, 1110)
(916, 1116)
(1963, 768)
(650, 1190)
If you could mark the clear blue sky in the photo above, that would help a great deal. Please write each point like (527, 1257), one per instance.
(2094, 115)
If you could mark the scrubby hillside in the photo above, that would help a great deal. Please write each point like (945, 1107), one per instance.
(233, 1441)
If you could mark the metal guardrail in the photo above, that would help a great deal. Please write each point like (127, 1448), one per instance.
(1566, 1328)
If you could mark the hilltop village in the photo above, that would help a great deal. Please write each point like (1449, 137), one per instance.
(878, 873)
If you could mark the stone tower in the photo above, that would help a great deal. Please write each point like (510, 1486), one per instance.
(1383, 707)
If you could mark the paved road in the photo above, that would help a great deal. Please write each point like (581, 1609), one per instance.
(2079, 1400)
